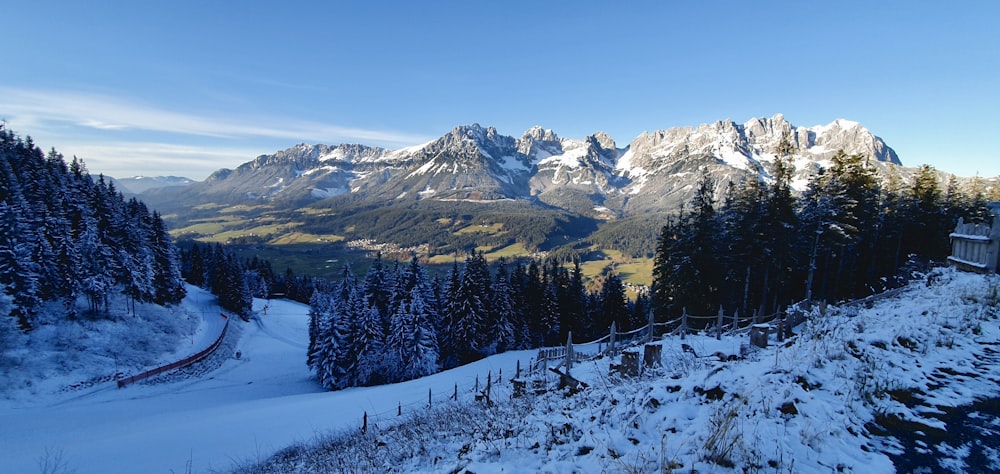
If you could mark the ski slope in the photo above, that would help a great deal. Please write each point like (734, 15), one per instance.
(246, 409)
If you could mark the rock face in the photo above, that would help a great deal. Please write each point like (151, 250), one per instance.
(589, 176)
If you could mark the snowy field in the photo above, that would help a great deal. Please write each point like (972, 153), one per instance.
(807, 406)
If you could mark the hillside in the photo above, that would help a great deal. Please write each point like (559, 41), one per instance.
(810, 405)
(907, 383)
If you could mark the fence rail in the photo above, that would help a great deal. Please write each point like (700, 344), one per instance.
(181, 363)
(779, 322)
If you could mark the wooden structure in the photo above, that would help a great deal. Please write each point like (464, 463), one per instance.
(758, 335)
(630, 363)
(976, 247)
(652, 355)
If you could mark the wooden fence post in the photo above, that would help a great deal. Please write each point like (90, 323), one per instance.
(455, 396)
(569, 351)
(736, 322)
(718, 324)
(364, 424)
(684, 323)
(517, 371)
(399, 409)
(652, 327)
(430, 398)
(611, 341)
(781, 326)
(489, 386)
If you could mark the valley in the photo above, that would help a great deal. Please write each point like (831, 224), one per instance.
(314, 207)
(317, 242)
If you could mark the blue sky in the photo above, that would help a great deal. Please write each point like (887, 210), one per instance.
(185, 88)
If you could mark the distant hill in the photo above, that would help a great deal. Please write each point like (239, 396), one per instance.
(141, 184)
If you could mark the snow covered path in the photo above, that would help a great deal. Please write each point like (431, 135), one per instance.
(246, 409)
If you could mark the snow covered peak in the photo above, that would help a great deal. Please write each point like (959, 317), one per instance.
(603, 140)
(537, 133)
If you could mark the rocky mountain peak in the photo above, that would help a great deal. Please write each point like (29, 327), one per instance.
(603, 141)
(539, 134)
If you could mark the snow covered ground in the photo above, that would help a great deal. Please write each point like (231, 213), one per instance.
(245, 409)
(804, 407)
(812, 404)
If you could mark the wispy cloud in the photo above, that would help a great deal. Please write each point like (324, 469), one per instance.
(103, 112)
(122, 159)
(123, 137)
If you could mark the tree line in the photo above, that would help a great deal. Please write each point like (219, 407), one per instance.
(851, 233)
(65, 235)
(397, 323)
(237, 282)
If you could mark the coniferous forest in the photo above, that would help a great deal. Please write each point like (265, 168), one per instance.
(64, 235)
(395, 324)
(850, 234)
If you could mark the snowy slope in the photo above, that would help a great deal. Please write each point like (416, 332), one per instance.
(246, 409)
(806, 406)
(810, 405)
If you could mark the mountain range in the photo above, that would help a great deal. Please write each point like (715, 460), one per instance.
(310, 206)
(471, 163)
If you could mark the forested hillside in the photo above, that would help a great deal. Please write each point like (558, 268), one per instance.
(397, 324)
(764, 247)
(66, 236)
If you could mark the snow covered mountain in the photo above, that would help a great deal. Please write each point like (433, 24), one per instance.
(141, 184)
(589, 176)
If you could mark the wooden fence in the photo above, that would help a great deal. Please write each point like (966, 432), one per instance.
(551, 359)
(974, 247)
(176, 365)
(486, 391)
(614, 342)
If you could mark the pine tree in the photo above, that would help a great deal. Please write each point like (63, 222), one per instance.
(319, 307)
(369, 346)
(613, 304)
(470, 311)
(413, 340)
(448, 340)
(325, 349)
(377, 289)
(504, 320)
(534, 299)
(18, 271)
(168, 285)
(666, 285)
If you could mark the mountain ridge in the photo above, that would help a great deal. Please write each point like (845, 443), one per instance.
(589, 175)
